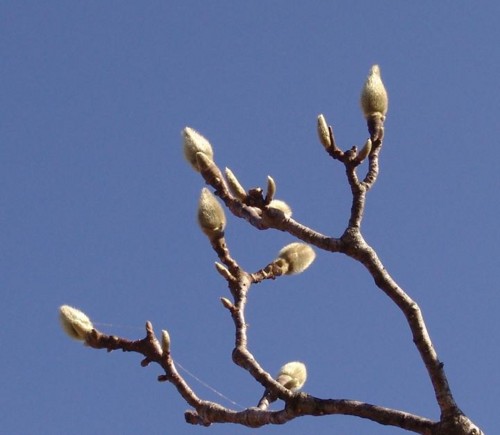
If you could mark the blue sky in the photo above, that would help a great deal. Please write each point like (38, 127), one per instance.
(98, 205)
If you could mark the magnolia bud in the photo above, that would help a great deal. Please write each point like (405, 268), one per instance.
(234, 185)
(292, 375)
(297, 257)
(227, 303)
(282, 206)
(75, 323)
(211, 215)
(165, 341)
(374, 100)
(224, 271)
(324, 132)
(271, 189)
(194, 142)
(365, 151)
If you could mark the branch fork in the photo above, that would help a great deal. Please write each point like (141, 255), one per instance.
(264, 212)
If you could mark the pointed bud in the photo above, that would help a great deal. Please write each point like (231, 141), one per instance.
(374, 100)
(271, 189)
(297, 257)
(165, 341)
(365, 151)
(292, 375)
(211, 215)
(282, 206)
(234, 185)
(74, 322)
(223, 270)
(324, 132)
(227, 303)
(194, 142)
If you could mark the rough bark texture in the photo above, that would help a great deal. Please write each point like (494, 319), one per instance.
(253, 206)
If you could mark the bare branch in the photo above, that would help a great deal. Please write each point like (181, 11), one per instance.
(265, 212)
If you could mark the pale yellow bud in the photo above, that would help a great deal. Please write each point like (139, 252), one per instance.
(234, 185)
(282, 206)
(374, 100)
(271, 189)
(224, 271)
(297, 256)
(324, 132)
(211, 215)
(165, 341)
(292, 375)
(365, 151)
(227, 303)
(194, 142)
(74, 322)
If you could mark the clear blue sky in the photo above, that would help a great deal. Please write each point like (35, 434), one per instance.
(98, 206)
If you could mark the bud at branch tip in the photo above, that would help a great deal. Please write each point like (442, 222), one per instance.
(193, 143)
(324, 132)
(297, 257)
(374, 99)
(74, 322)
(292, 375)
(211, 216)
(165, 341)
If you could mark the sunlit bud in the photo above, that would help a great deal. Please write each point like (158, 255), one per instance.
(271, 189)
(227, 303)
(365, 151)
(323, 132)
(297, 257)
(234, 185)
(211, 215)
(223, 270)
(75, 323)
(165, 341)
(292, 375)
(194, 142)
(374, 98)
(282, 206)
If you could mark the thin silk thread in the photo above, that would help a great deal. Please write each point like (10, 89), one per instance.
(185, 370)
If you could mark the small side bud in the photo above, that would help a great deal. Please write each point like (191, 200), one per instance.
(234, 185)
(223, 270)
(165, 341)
(74, 322)
(374, 98)
(365, 151)
(292, 375)
(271, 189)
(323, 132)
(227, 303)
(193, 143)
(282, 206)
(297, 257)
(211, 215)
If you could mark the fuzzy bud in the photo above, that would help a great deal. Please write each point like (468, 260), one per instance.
(74, 322)
(193, 143)
(374, 100)
(235, 186)
(297, 257)
(165, 341)
(324, 132)
(211, 215)
(292, 375)
(282, 206)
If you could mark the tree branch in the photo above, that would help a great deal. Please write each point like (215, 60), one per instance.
(263, 212)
